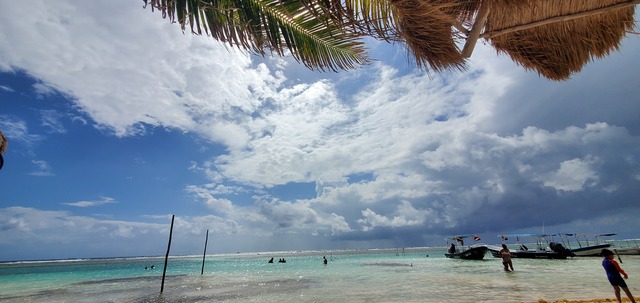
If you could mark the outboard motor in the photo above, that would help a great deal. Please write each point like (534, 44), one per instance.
(557, 247)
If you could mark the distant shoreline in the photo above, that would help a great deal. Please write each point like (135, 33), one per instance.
(259, 254)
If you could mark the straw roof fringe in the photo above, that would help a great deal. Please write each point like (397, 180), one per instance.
(557, 50)
(426, 28)
(3, 143)
(556, 38)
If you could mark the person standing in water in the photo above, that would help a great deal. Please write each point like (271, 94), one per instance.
(324, 260)
(614, 275)
(506, 258)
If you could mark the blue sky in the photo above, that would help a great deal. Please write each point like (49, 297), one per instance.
(116, 120)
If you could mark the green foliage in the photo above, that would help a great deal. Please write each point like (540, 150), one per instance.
(318, 33)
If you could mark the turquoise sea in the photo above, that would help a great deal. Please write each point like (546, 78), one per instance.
(376, 275)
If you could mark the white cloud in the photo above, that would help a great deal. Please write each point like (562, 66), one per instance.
(405, 215)
(43, 90)
(124, 85)
(43, 169)
(51, 120)
(16, 129)
(52, 226)
(102, 201)
(268, 216)
(339, 224)
(572, 175)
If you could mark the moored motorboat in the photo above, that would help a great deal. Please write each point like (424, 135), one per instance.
(470, 252)
(622, 247)
(542, 248)
(627, 250)
(584, 245)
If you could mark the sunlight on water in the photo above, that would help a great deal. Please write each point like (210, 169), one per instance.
(375, 276)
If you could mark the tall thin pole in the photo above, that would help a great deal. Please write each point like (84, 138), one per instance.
(166, 257)
(204, 254)
(616, 251)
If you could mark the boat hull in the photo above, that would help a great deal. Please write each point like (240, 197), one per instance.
(473, 253)
(627, 250)
(594, 250)
(521, 254)
(537, 255)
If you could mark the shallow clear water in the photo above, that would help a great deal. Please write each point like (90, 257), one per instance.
(358, 276)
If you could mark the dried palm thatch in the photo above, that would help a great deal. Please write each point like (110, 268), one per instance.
(3, 143)
(558, 49)
(553, 37)
(3, 147)
(426, 28)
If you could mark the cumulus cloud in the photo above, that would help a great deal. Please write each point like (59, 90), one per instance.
(34, 229)
(572, 175)
(404, 215)
(209, 84)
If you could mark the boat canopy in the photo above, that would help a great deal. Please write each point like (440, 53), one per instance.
(525, 235)
(606, 235)
(458, 237)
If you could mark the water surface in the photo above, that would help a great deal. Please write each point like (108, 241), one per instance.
(417, 275)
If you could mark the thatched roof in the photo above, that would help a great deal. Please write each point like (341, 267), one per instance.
(556, 38)
(3, 143)
(3, 146)
(426, 27)
(558, 49)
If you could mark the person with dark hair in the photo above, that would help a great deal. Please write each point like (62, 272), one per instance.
(505, 253)
(614, 275)
(452, 248)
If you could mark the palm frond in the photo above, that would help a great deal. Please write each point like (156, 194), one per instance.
(375, 17)
(314, 37)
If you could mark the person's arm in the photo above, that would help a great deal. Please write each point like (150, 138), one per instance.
(619, 269)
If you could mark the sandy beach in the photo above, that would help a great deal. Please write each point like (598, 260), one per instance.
(586, 301)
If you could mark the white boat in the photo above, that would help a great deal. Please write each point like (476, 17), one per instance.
(624, 246)
(540, 248)
(584, 245)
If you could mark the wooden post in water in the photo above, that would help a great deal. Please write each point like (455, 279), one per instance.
(204, 255)
(166, 257)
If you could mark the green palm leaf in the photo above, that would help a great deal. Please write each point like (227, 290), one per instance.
(308, 29)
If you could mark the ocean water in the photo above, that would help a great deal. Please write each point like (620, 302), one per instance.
(391, 275)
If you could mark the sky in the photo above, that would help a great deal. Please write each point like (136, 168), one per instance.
(117, 120)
